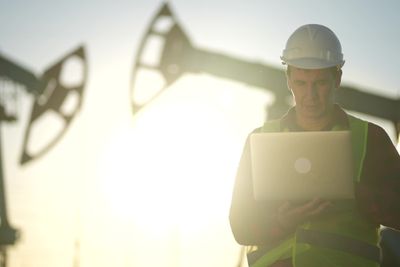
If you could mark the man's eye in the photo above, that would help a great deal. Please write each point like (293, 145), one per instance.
(322, 83)
(299, 83)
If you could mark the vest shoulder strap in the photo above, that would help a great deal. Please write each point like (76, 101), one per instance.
(359, 136)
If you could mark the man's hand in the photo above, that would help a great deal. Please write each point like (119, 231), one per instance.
(290, 216)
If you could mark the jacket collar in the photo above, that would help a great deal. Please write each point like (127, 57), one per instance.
(340, 121)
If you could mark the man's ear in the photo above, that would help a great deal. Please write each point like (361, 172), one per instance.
(338, 78)
(288, 83)
(287, 74)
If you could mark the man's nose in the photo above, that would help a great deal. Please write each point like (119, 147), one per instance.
(312, 90)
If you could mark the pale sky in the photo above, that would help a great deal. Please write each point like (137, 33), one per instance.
(157, 187)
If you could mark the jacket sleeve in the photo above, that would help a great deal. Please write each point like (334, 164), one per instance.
(378, 193)
(252, 222)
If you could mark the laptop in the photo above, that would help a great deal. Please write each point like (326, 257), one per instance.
(302, 165)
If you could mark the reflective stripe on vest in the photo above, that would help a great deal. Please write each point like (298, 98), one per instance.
(337, 242)
(306, 236)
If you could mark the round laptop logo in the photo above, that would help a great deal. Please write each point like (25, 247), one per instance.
(302, 165)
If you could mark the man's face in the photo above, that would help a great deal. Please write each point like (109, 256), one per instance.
(313, 91)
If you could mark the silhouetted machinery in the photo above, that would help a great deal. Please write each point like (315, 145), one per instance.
(178, 56)
(53, 92)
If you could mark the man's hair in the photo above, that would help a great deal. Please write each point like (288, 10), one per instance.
(334, 70)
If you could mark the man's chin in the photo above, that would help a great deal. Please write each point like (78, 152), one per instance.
(313, 113)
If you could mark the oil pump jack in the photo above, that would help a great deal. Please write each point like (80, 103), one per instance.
(178, 56)
(50, 94)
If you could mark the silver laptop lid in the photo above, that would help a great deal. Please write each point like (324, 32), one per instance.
(302, 165)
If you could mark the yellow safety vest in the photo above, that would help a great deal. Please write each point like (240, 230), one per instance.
(345, 239)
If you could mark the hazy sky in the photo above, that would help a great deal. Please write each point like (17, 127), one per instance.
(126, 189)
(258, 29)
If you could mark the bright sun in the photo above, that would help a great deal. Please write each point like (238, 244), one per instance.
(163, 168)
(168, 173)
(177, 162)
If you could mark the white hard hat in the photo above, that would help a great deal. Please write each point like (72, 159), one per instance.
(313, 46)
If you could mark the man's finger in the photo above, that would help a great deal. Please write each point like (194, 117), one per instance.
(322, 207)
(309, 206)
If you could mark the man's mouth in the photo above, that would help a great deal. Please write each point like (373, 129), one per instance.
(311, 105)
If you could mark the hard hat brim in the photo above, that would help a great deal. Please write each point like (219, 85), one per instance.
(312, 63)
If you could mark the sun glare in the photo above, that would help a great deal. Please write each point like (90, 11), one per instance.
(168, 172)
(176, 162)
(164, 167)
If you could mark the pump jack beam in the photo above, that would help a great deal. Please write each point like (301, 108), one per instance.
(180, 57)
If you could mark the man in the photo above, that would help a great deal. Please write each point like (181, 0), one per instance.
(319, 233)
